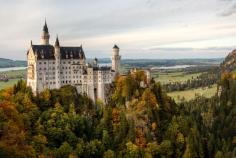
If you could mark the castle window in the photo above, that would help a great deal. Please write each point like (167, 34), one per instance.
(53, 62)
(40, 68)
(40, 63)
(44, 62)
(45, 68)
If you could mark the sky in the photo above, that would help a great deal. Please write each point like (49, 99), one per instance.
(150, 29)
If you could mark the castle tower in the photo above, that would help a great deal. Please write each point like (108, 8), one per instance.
(115, 59)
(45, 35)
(57, 63)
(95, 62)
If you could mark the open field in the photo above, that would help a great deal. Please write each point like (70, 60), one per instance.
(10, 83)
(190, 94)
(14, 73)
(13, 76)
(167, 77)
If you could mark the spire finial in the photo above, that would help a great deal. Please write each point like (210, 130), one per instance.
(115, 47)
(45, 27)
(57, 42)
(31, 43)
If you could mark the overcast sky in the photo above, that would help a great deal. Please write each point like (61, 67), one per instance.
(141, 28)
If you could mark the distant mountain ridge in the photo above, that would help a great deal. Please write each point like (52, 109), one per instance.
(229, 64)
(5, 63)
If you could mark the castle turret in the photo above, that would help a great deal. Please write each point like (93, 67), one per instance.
(116, 59)
(45, 35)
(95, 62)
(57, 63)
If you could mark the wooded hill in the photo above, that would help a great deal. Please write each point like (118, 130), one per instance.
(4, 63)
(137, 122)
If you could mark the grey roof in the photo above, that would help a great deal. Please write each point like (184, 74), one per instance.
(47, 52)
(115, 47)
(103, 68)
(57, 42)
(72, 53)
(44, 51)
(45, 27)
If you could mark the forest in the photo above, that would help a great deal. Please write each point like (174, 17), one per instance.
(205, 79)
(136, 122)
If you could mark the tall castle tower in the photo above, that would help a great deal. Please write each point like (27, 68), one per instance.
(115, 59)
(45, 35)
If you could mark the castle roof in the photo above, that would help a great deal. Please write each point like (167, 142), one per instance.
(47, 52)
(115, 47)
(57, 42)
(43, 51)
(72, 53)
(45, 27)
(103, 68)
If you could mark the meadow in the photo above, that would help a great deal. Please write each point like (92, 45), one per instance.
(173, 76)
(188, 95)
(10, 83)
(13, 76)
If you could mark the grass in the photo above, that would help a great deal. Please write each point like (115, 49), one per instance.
(190, 94)
(167, 77)
(14, 75)
(10, 83)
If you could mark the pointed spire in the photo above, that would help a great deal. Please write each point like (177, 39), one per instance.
(31, 43)
(57, 42)
(45, 27)
(115, 47)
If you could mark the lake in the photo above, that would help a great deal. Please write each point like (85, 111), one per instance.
(11, 68)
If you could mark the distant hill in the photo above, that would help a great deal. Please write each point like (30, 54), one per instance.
(229, 64)
(4, 63)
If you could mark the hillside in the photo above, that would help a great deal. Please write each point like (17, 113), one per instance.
(4, 63)
(229, 64)
(138, 122)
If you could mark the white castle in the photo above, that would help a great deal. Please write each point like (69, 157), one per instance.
(51, 67)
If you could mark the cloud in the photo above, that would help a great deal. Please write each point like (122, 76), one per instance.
(134, 24)
(230, 10)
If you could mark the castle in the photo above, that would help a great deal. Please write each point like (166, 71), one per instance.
(51, 67)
